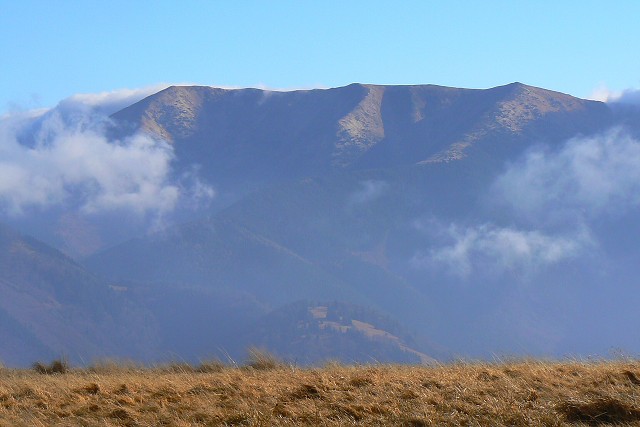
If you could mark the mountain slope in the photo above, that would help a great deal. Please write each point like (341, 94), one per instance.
(58, 308)
(309, 240)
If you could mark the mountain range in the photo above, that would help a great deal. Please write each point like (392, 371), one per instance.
(360, 223)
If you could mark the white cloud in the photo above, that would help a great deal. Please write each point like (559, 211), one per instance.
(584, 178)
(553, 197)
(109, 102)
(628, 96)
(493, 250)
(68, 161)
(603, 93)
(369, 191)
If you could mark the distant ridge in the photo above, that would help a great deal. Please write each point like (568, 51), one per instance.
(271, 135)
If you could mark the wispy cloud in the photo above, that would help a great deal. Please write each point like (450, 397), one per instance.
(629, 96)
(554, 200)
(584, 178)
(63, 157)
(109, 102)
(491, 250)
(369, 191)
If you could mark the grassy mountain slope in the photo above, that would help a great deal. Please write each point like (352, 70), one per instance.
(57, 307)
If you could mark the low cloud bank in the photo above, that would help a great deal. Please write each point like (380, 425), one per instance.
(62, 157)
(491, 250)
(585, 178)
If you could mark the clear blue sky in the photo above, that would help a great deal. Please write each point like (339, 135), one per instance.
(56, 48)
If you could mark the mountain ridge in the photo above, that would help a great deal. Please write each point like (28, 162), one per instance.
(354, 126)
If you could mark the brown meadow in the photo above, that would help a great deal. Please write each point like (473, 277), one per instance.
(265, 392)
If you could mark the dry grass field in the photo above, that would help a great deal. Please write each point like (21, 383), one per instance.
(266, 393)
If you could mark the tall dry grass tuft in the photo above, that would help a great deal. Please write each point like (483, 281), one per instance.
(112, 366)
(210, 366)
(58, 366)
(263, 360)
(601, 410)
(177, 367)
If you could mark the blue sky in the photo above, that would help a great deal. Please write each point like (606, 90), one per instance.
(53, 49)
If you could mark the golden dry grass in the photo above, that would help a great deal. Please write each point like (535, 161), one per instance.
(518, 393)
